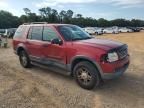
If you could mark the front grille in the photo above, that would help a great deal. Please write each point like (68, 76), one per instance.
(122, 51)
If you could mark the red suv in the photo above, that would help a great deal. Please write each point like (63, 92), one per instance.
(68, 49)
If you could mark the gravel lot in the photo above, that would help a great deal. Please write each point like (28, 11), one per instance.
(40, 88)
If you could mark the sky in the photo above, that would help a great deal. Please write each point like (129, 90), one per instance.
(108, 9)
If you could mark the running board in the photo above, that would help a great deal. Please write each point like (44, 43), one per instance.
(52, 68)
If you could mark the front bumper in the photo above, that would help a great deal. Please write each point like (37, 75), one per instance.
(117, 73)
(114, 70)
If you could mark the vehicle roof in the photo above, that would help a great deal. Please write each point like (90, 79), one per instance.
(51, 24)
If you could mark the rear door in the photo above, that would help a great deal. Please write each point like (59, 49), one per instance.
(34, 42)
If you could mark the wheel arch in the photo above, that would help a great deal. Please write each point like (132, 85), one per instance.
(79, 59)
(20, 48)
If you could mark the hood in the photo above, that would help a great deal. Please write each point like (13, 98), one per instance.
(104, 44)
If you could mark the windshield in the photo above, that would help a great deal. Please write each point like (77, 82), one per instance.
(71, 32)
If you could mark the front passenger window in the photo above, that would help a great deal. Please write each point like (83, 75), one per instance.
(49, 34)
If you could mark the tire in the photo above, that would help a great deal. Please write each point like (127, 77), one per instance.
(24, 59)
(97, 33)
(86, 75)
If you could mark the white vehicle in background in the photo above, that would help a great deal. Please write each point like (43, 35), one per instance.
(125, 30)
(99, 31)
(90, 30)
(111, 30)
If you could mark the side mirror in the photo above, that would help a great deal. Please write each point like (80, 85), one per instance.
(57, 41)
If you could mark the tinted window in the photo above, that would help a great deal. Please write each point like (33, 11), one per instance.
(36, 33)
(49, 34)
(20, 31)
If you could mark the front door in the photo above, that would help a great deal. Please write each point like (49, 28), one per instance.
(53, 53)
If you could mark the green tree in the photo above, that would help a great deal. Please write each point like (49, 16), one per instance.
(7, 20)
(54, 16)
(62, 15)
(27, 11)
(78, 16)
(103, 22)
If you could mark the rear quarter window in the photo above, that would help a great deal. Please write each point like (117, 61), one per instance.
(20, 32)
(35, 33)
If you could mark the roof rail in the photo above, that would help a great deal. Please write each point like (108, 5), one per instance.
(26, 23)
(39, 23)
(35, 23)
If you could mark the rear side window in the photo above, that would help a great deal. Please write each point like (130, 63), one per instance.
(35, 33)
(20, 31)
(49, 34)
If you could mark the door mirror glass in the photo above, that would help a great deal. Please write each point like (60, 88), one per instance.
(57, 41)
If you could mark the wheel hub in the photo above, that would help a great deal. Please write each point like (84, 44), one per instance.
(84, 75)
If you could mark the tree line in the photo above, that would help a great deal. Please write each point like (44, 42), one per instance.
(8, 20)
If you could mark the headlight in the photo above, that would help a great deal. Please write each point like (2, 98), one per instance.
(112, 57)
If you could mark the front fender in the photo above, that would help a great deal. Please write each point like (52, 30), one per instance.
(87, 59)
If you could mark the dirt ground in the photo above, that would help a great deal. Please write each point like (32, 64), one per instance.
(40, 88)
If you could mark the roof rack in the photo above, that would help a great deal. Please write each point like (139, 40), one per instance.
(26, 23)
(39, 23)
(35, 23)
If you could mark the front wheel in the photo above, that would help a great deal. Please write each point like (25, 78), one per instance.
(86, 75)
(24, 59)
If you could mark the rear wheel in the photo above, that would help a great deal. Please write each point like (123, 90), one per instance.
(86, 75)
(24, 59)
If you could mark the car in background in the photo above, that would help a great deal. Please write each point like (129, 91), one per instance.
(135, 29)
(9, 33)
(90, 30)
(99, 31)
(125, 30)
(111, 30)
(141, 28)
(2, 31)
